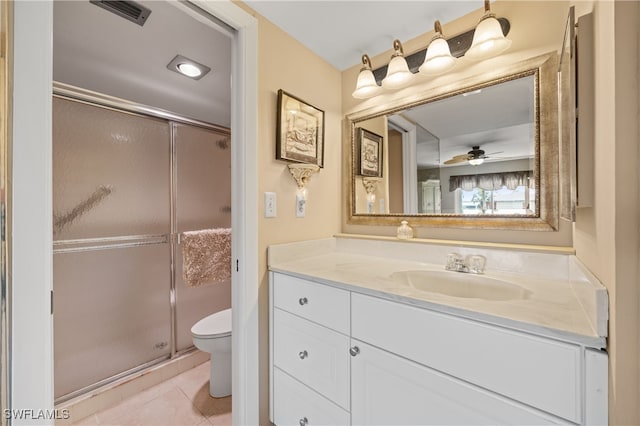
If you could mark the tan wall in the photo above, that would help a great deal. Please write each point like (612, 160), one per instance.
(607, 236)
(544, 19)
(286, 64)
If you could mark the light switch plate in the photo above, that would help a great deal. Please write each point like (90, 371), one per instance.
(270, 207)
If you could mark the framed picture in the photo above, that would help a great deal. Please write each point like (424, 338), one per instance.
(369, 153)
(300, 131)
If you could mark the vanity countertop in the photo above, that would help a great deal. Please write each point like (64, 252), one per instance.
(564, 300)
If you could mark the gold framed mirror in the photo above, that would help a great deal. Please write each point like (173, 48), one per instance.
(480, 153)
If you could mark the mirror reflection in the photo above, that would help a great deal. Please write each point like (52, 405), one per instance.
(469, 154)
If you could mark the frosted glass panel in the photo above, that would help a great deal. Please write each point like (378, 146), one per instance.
(203, 201)
(111, 313)
(195, 303)
(204, 179)
(110, 172)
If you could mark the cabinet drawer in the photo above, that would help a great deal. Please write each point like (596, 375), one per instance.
(322, 304)
(315, 355)
(540, 372)
(294, 402)
(390, 390)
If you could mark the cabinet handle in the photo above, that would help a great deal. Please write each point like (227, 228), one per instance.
(354, 350)
(303, 354)
(303, 301)
(304, 421)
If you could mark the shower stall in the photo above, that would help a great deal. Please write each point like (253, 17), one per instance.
(128, 180)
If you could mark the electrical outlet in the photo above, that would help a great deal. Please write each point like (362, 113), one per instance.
(270, 204)
(301, 206)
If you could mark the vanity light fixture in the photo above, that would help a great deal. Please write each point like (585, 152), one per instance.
(188, 67)
(398, 74)
(488, 39)
(366, 86)
(438, 58)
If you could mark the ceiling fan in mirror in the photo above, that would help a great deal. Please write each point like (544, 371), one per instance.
(475, 157)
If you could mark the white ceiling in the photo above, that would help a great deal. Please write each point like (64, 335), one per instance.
(341, 31)
(97, 50)
(499, 119)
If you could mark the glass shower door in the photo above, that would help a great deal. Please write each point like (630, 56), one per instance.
(111, 187)
(203, 201)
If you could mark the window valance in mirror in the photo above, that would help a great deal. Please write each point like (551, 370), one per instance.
(492, 181)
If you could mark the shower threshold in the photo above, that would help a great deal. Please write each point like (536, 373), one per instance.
(108, 392)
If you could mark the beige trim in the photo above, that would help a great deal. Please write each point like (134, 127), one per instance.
(544, 69)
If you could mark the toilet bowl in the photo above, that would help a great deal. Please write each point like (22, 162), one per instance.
(213, 334)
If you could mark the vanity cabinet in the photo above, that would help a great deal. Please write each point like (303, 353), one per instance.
(342, 357)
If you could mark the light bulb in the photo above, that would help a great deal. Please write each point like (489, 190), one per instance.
(189, 70)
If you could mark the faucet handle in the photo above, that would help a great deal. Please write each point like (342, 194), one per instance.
(475, 263)
(453, 261)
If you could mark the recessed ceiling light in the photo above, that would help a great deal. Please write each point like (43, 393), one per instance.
(188, 67)
(189, 70)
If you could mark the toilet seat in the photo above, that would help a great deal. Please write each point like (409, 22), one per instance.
(214, 326)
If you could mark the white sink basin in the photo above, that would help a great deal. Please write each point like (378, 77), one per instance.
(462, 285)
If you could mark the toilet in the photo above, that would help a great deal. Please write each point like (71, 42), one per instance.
(213, 334)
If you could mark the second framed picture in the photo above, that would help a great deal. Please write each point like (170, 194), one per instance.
(369, 153)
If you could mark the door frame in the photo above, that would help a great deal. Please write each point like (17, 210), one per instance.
(31, 231)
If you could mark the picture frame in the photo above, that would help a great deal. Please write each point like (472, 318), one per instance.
(369, 153)
(299, 130)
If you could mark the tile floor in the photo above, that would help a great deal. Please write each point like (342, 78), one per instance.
(183, 400)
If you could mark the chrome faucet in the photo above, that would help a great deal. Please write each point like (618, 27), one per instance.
(473, 263)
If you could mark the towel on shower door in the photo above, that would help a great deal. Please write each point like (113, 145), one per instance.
(206, 256)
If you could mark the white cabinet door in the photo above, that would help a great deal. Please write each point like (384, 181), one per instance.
(390, 390)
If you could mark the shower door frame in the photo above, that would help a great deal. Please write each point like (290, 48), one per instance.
(99, 100)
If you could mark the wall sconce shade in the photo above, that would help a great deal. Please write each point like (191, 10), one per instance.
(398, 74)
(438, 58)
(366, 86)
(488, 39)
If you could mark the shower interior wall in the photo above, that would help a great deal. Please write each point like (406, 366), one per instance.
(125, 186)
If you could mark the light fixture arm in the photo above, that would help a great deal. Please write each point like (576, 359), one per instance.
(366, 61)
(397, 48)
(437, 27)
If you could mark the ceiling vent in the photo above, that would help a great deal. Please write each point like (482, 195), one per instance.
(129, 10)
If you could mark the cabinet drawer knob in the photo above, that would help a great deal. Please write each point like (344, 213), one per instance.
(303, 354)
(304, 421)
(354, 350)
(303, 301)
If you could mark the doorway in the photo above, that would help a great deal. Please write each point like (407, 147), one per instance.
(31, 351)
